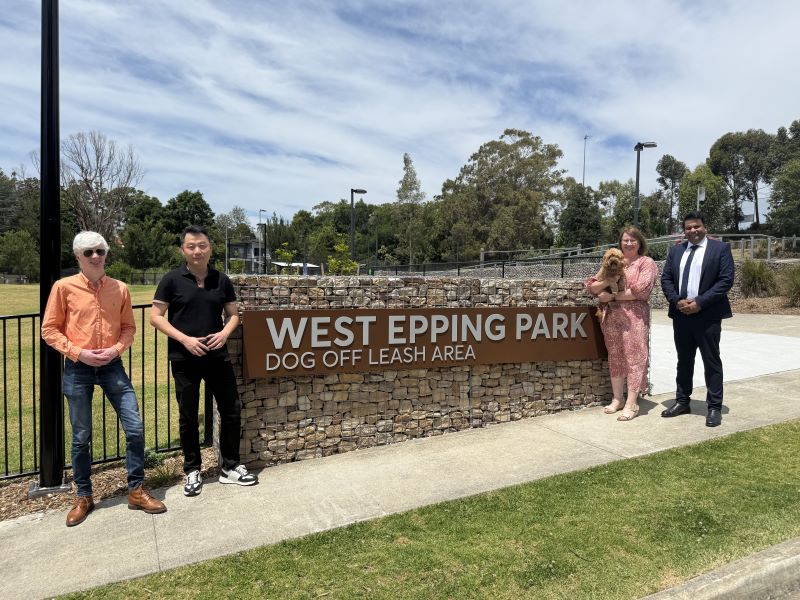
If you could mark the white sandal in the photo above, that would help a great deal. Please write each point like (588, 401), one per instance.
(612, 408)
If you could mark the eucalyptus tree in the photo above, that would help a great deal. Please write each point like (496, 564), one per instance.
(745, 161)
(785, 216)
(580, 219)
(670, 172)
(409, 198)
(716, 207)
(502, 195)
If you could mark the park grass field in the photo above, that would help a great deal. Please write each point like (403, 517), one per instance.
(16, 299)
(621, 530)
(146, 363)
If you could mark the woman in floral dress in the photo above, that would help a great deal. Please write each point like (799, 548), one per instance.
(626, 323)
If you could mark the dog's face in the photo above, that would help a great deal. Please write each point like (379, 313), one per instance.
(613, 262)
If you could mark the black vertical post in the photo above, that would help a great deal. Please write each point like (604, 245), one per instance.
(51, 407)
(264, 249)
(636, 196)
(352, 226)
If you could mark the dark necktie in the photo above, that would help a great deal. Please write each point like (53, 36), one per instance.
(685, 276)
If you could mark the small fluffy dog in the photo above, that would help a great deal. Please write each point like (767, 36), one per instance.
(612, 269)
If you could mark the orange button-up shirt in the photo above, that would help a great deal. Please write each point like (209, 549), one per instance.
(80, 317)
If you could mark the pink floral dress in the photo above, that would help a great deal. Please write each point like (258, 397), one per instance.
(626, 325)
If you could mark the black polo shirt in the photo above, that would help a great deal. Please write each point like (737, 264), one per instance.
(195, 311)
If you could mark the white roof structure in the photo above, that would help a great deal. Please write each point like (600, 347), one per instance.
(294, 264)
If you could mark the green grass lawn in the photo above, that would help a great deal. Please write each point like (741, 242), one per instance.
(622, 530)
(16, 299)
(146, 364)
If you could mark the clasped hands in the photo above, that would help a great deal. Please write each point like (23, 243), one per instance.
(688, 306)
(200, 346)
(98, 357)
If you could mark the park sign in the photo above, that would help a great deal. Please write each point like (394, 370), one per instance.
(305, 342)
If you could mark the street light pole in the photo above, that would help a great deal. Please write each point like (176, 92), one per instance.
(353, 221)
(227, 246)
(638, 148)
(261, 244)
(583, 181)
(51, 407)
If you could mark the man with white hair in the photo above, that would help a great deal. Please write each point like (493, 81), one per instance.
(89, 320)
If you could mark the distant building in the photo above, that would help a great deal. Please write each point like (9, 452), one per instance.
(247, 257)
(296, 268)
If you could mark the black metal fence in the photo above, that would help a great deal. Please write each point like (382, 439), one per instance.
(572, 266)
(147, 365)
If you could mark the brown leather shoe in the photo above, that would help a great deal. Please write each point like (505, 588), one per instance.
(81, 507)
(140, 499)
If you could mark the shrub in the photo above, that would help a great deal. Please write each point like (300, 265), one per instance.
(163, 474)
(758, 280)
(120, 270)
(340, 263)
(151, 458)
(659, 250)
(792, 285)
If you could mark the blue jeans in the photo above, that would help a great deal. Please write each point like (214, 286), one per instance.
(79, 382)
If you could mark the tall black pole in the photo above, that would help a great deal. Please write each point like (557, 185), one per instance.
(583, 181)
(636, 196)
(265, 252)
(51, 420)
(352, 226)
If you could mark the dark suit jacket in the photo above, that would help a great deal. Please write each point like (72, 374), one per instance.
(715, 281)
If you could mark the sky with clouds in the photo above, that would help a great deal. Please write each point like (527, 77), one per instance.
(282, 105)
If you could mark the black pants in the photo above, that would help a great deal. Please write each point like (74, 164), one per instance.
(691, 334)
(218, 376)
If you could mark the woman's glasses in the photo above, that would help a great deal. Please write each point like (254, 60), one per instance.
(99, 251)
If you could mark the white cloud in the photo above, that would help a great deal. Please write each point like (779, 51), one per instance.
(283, 105)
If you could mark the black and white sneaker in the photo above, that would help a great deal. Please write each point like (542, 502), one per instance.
(239, 475)
(193, 484)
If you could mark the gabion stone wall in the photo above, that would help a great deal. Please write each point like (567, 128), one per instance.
(287, 419)
(581, 270)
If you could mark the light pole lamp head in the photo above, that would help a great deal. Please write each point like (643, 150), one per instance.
(643, 145)
(357, 191)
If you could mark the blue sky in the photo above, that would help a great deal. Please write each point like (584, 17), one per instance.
(283, 105)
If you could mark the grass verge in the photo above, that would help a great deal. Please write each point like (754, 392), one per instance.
(622, 530)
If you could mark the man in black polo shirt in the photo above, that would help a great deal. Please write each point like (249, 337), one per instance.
(194, 297)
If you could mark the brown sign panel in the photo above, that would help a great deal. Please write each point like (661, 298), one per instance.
(305, 342)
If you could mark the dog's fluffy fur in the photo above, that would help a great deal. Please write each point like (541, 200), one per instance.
(612, 268)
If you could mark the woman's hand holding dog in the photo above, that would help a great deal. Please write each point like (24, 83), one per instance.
(605, 296)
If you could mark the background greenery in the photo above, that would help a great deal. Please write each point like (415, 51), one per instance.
(510, 198)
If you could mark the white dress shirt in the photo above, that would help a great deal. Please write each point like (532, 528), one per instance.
(695, 269)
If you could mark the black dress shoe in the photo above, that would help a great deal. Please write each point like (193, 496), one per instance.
(679, 408)
(714, 418)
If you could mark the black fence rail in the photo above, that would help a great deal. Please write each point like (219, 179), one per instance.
(574, 266)
(148, 367)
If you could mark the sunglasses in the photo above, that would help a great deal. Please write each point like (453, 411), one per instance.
(99, 251)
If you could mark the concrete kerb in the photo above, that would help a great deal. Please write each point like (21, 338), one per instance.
(772, 573)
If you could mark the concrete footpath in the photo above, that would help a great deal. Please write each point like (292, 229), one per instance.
(41, 557)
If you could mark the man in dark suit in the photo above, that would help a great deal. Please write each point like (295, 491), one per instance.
(697, 276)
